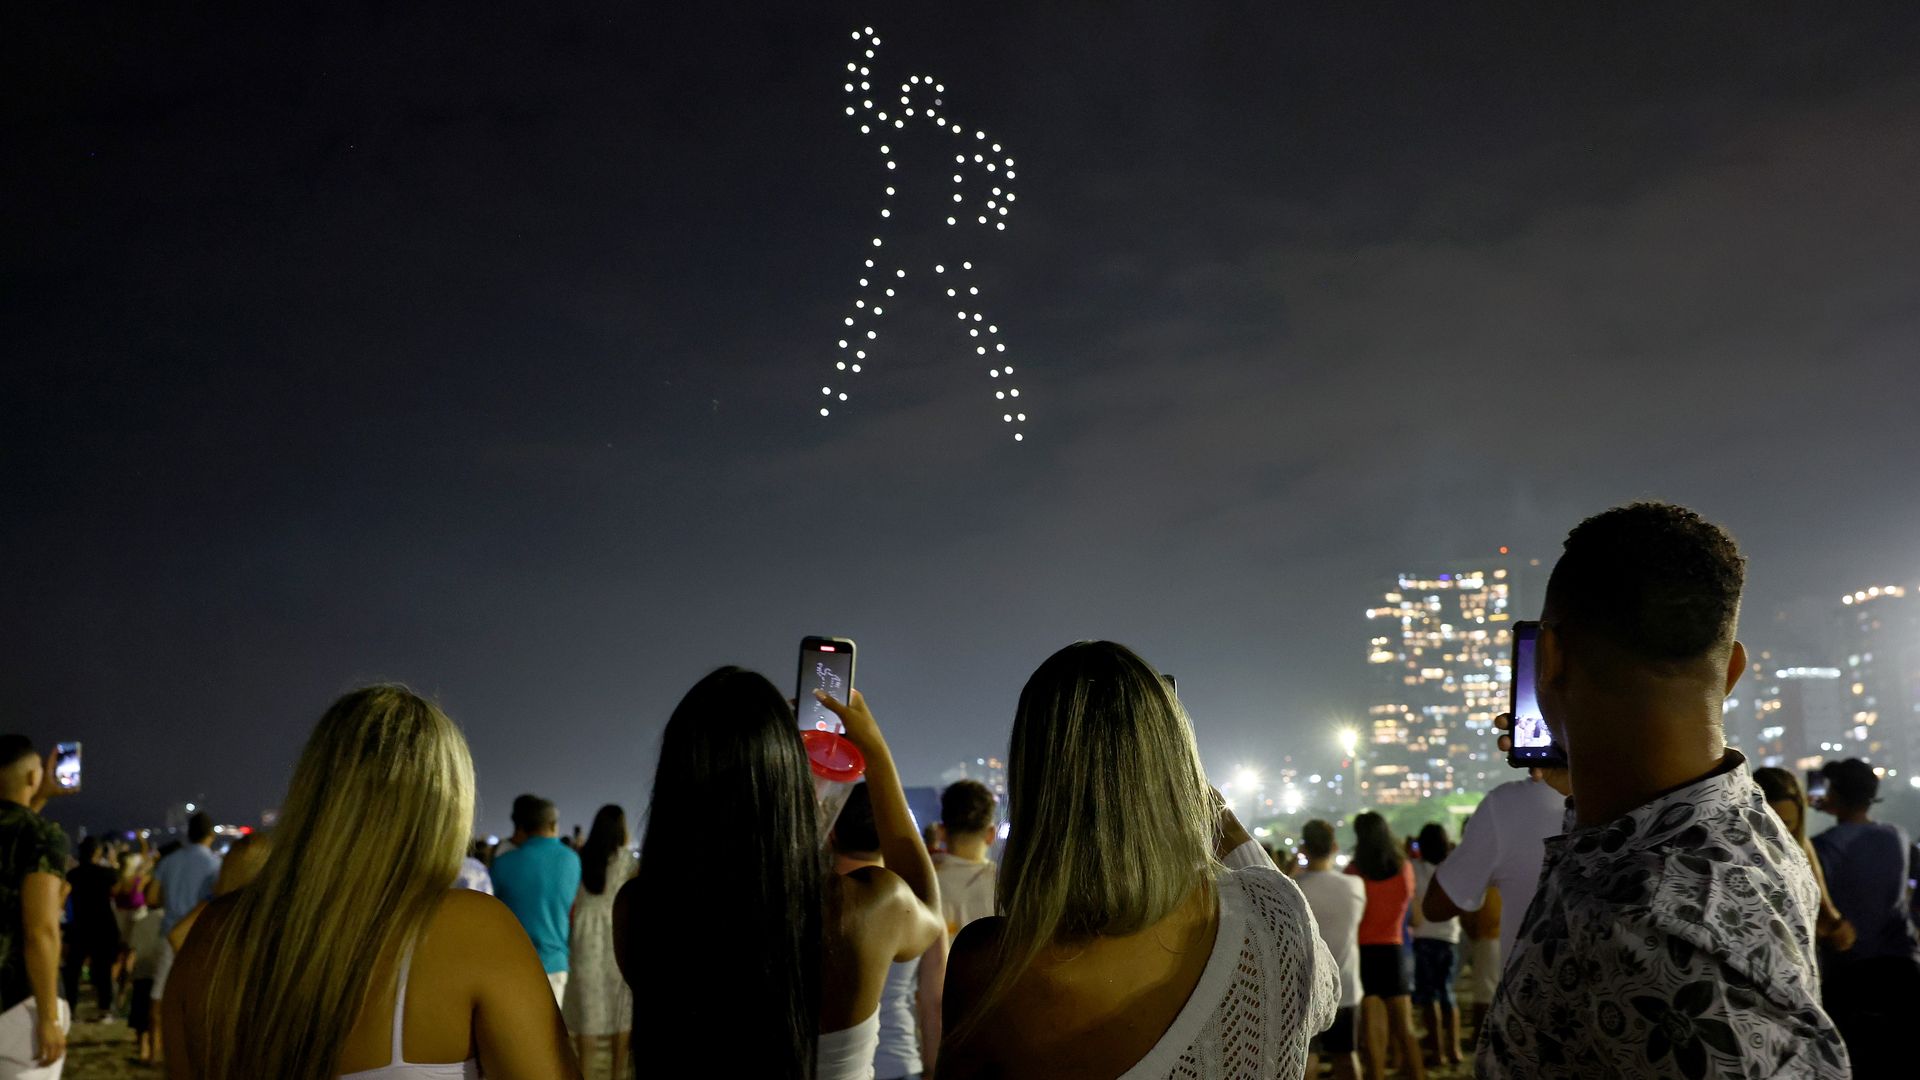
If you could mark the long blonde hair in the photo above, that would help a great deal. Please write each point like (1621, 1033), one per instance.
(1110, 820)
(370, 838)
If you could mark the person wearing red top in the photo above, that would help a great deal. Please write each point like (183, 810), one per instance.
(1384, 1011)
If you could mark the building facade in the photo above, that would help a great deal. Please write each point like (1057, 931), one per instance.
(1880, 642)
(1440, 643)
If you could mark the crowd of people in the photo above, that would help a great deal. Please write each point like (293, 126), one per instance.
(1655, 909)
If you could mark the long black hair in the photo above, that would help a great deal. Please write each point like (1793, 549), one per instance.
(725, 950)
(1374, 851)
(608, 835)
(1434, 843)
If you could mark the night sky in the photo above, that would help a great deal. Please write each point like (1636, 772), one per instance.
(479, 347)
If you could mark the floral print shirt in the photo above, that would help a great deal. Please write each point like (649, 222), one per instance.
(1674, 941)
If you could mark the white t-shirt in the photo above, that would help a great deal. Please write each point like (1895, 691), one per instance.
(1447, 930)
(1337, 901)
(966, 888)
(1504, 846)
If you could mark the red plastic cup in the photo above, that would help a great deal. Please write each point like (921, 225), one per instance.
(837, 765)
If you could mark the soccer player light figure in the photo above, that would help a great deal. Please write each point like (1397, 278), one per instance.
(980, 169)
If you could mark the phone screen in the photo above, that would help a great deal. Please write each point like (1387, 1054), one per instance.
(825, 664)
(66, 765)
(1816, 784)
(1532, 741)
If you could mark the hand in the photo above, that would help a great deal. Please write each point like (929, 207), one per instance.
(1228, 833)
(49, 787)
(1841, 935)
(862, 728)
(49, 1036)
(1504, 723)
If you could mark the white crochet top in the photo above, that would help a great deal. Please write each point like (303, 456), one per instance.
(1269, 985)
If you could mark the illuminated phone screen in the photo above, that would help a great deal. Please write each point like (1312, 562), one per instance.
(825, 664)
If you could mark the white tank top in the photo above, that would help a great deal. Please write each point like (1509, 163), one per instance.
(847, 1054)
(898, 1054)
(397, 1067)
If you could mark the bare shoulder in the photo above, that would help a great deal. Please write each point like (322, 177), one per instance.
(873, 888)
(975, 953)
(472, 917)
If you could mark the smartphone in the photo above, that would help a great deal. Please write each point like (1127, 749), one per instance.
(66, 765)
(826, 663)
(1533, 745)
(1816, 785)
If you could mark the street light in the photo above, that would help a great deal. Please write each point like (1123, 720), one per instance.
(1349, 740)
(1246, 778)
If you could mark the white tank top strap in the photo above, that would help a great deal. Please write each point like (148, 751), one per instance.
(397, 1066)
(400, 1007)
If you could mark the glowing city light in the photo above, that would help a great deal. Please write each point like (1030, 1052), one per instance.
(993, 209)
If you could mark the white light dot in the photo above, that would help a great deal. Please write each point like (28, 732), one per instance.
(864, 129)
(958, 179)
(863, 71)
(950, 292)
(1001, 225)
(868, 30)
(871, 335)
(979, 134)
(823, 412)
(869, 264)
(886, 149)
(826, 389)
(1016, 393)
(966, 266)
(879, 311)
(866, 104)
(983, 220)
(1008, 369)
(869, 54)
(993, 329)
(1017, 436)
(899, 273)
(889, 191)
(899, 123)
(1009, 196)
(1008, 417)
(886, 213)
(863, 283)
(861, 353)
(950, 221)
(939, 268)
(889, 165)
(856, 35)
(959, 159)
(999, 395)
(1003, 211)
(990, 204)
(915, 80)
(976, 316)
(849, 320)
(856, 369)
(1009, 176)
(860, 303)
(849, 110)
(962, 314)
(956, 196)
(976, 158)
(993, 373)
(975, 332)
(889, 292)
(999, 348)
(973, 290)
(996, 148)
(842, 365)
(938, 89)
(843, 343)
(843, 397)
(990, 166)
(981, 351)
(1021, 416)
(956, 129)
(909, 113)
(876, 241)
(882, 116)
(853, 67)
(866, 86)
(904, 99)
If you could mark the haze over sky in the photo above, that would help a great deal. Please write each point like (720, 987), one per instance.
(479, 347)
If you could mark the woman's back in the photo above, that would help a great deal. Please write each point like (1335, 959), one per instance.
(1228, 988)
(475, 992)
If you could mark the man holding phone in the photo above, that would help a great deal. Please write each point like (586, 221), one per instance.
(1672, 930)
(33, 865)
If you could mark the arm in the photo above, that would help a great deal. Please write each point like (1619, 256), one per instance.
(41, 897)
(900, 844)
(517, 1025)
(933, 982)
(1438, 906)
(1830, 925)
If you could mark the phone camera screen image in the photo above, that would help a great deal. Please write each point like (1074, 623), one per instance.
(1532, 741)
(825, 664)
(66, 765)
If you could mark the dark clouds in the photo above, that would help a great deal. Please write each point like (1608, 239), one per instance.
(473, 350)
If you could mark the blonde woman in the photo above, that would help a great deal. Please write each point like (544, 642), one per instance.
(1125, 947)
(350, 955)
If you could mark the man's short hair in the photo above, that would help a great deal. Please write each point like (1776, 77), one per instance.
(14, 749)
(199, 826)
(1316, 839)
(967, 807)
(854, 832)
(1656, 580)
(1851, 783)
(532, 813)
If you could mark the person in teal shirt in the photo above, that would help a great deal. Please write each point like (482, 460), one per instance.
(537, 881)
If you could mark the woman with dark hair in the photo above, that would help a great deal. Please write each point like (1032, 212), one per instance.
(738, 940)
(597, 1006)
(1789, 803)
(1435, 947)
(1384, 1011)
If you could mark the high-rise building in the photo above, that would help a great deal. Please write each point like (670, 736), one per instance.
(1880, 629)
(1441, 645)
(991, 771)
(1792, 714)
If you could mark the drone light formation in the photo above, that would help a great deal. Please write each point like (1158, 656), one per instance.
(985, 199)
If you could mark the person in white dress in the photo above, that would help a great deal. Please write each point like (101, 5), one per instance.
(598, 1006)
(1144, 934)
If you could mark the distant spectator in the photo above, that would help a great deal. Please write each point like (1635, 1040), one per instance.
(474, 876)
(525, 808)
(1385, 1013)
(537, 881)
(93, 934)
(33, 863)
(185, 878)
(1337, 901)
(597, 1004)
(967, 876)
(1436, 944)
(1504, 850)
(1872, 988)
(1785, 799)
(146, 945)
